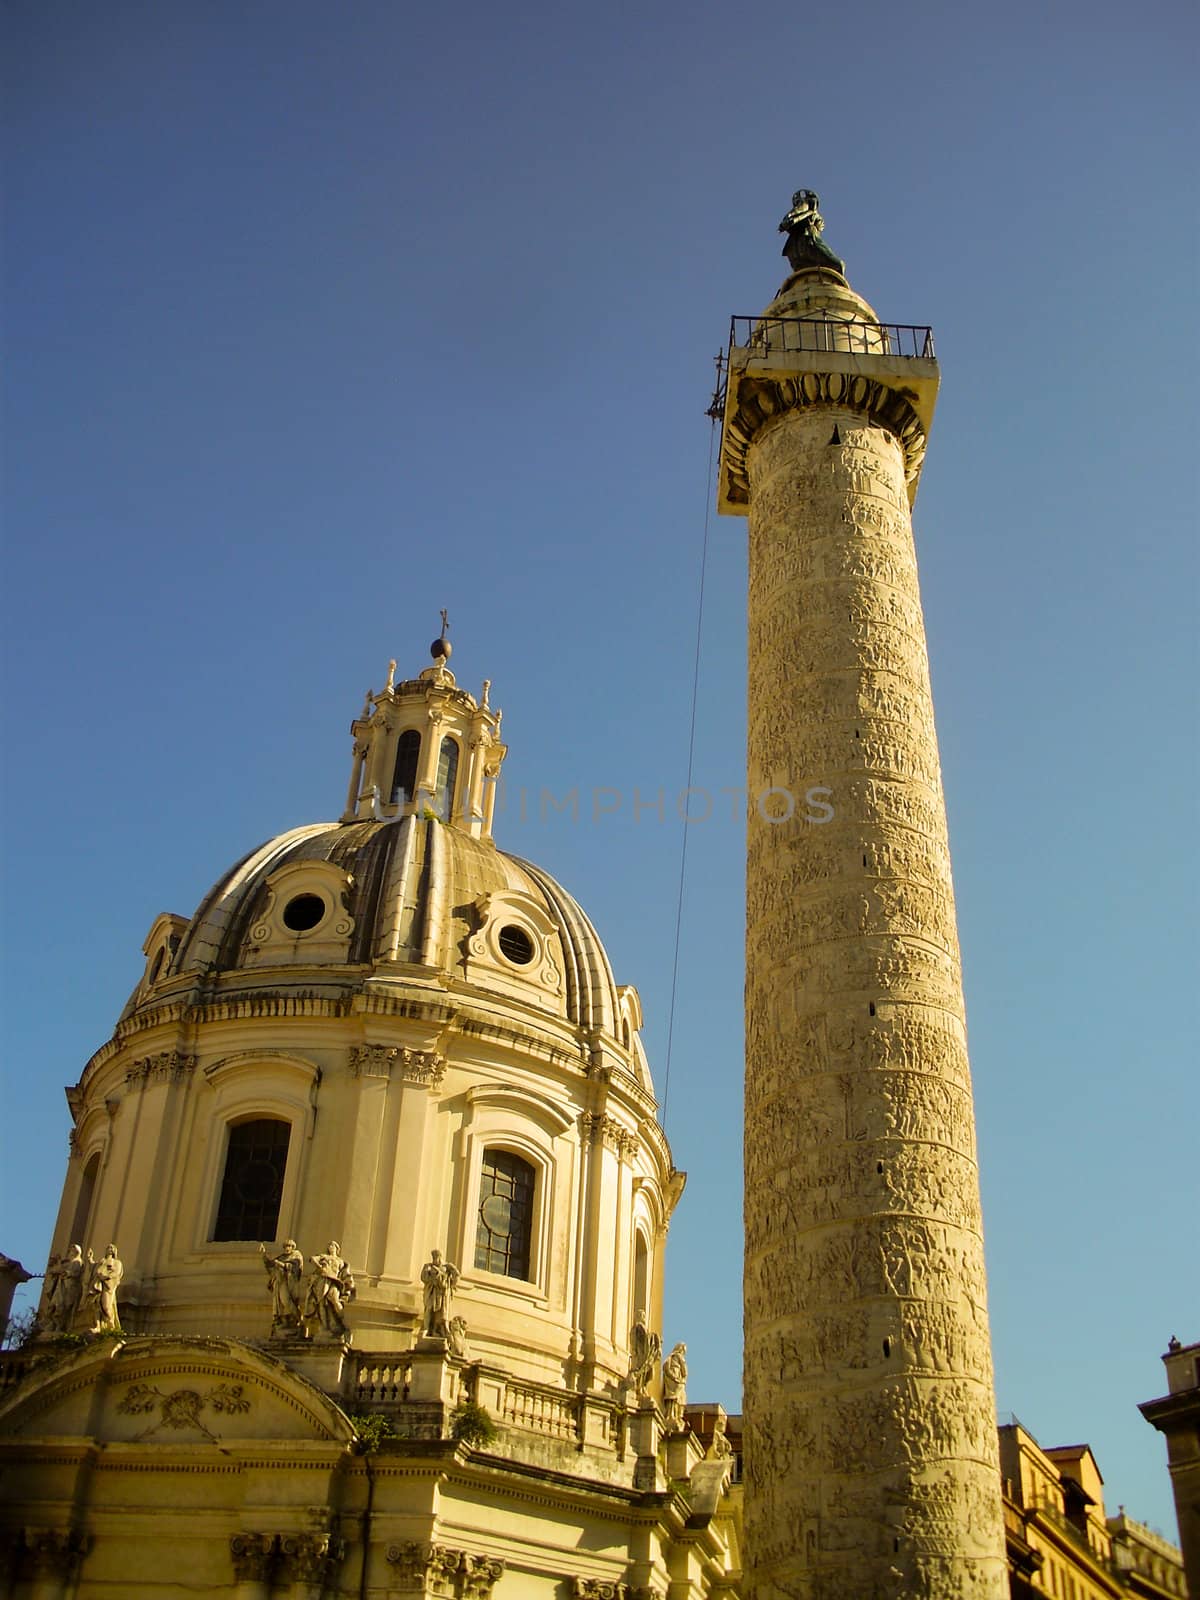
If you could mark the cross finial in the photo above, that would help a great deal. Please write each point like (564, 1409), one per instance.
(441, 647)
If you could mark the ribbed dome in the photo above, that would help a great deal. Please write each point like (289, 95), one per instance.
(414, 894)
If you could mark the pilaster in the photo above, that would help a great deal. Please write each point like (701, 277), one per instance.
(50, 1559)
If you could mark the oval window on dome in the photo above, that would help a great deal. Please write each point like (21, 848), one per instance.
(303, 912)
(516, 944)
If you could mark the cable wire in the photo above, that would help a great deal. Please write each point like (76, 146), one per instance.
(712, 436)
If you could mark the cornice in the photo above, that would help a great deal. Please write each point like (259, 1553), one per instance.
(572, 1053)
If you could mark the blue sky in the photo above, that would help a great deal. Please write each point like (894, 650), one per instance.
(321, 318)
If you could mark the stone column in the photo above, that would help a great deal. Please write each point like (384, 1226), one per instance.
(601, 1136)
(870, 1442)
(360, 751)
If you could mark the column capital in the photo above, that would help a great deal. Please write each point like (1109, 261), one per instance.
(253, 1555)
(424, 1068)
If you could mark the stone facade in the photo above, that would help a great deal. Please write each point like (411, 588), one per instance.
(1176, 1415)
(1061, 1543)
(870, 1441)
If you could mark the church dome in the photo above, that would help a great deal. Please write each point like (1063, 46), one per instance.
(407, 887)
(400, 897)
(385, 1032)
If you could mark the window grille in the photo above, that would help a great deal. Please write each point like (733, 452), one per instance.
(253, 1183)
(505, 1231)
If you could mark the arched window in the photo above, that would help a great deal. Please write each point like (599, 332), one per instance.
(641, 1274)
(252, 1187)
(446, 773)
(505, 1230)
(83, 1206)
(404, 779)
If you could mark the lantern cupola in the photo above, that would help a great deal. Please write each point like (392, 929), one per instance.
(426, 747)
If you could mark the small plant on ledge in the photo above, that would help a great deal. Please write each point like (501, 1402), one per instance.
(472, 1424)
(372, 1429)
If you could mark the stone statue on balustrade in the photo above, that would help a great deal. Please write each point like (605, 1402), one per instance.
(456, 1338)
(720, 1448)
(104, 1277)
(63, 1290)
(674, 1385)
(645, 1352)
(284, 1272)
(330, 1289)
(439, 1279)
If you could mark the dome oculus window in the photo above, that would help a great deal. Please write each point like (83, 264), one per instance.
(515, 944)
(303, 912)
(252, 1187)
(505, 1230)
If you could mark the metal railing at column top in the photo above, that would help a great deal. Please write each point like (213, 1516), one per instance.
(910, 341)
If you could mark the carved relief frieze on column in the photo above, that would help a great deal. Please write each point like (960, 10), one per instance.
(423, 1068)
(167, 1066)
(599, 1589)
(868, 1405)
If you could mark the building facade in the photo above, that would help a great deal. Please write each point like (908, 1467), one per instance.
(357, 1277)
(1176, 1415)
(1061, 1543)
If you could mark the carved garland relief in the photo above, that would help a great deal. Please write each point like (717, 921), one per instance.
(182, 1407)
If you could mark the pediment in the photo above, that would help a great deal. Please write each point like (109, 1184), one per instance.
(172, 1392)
